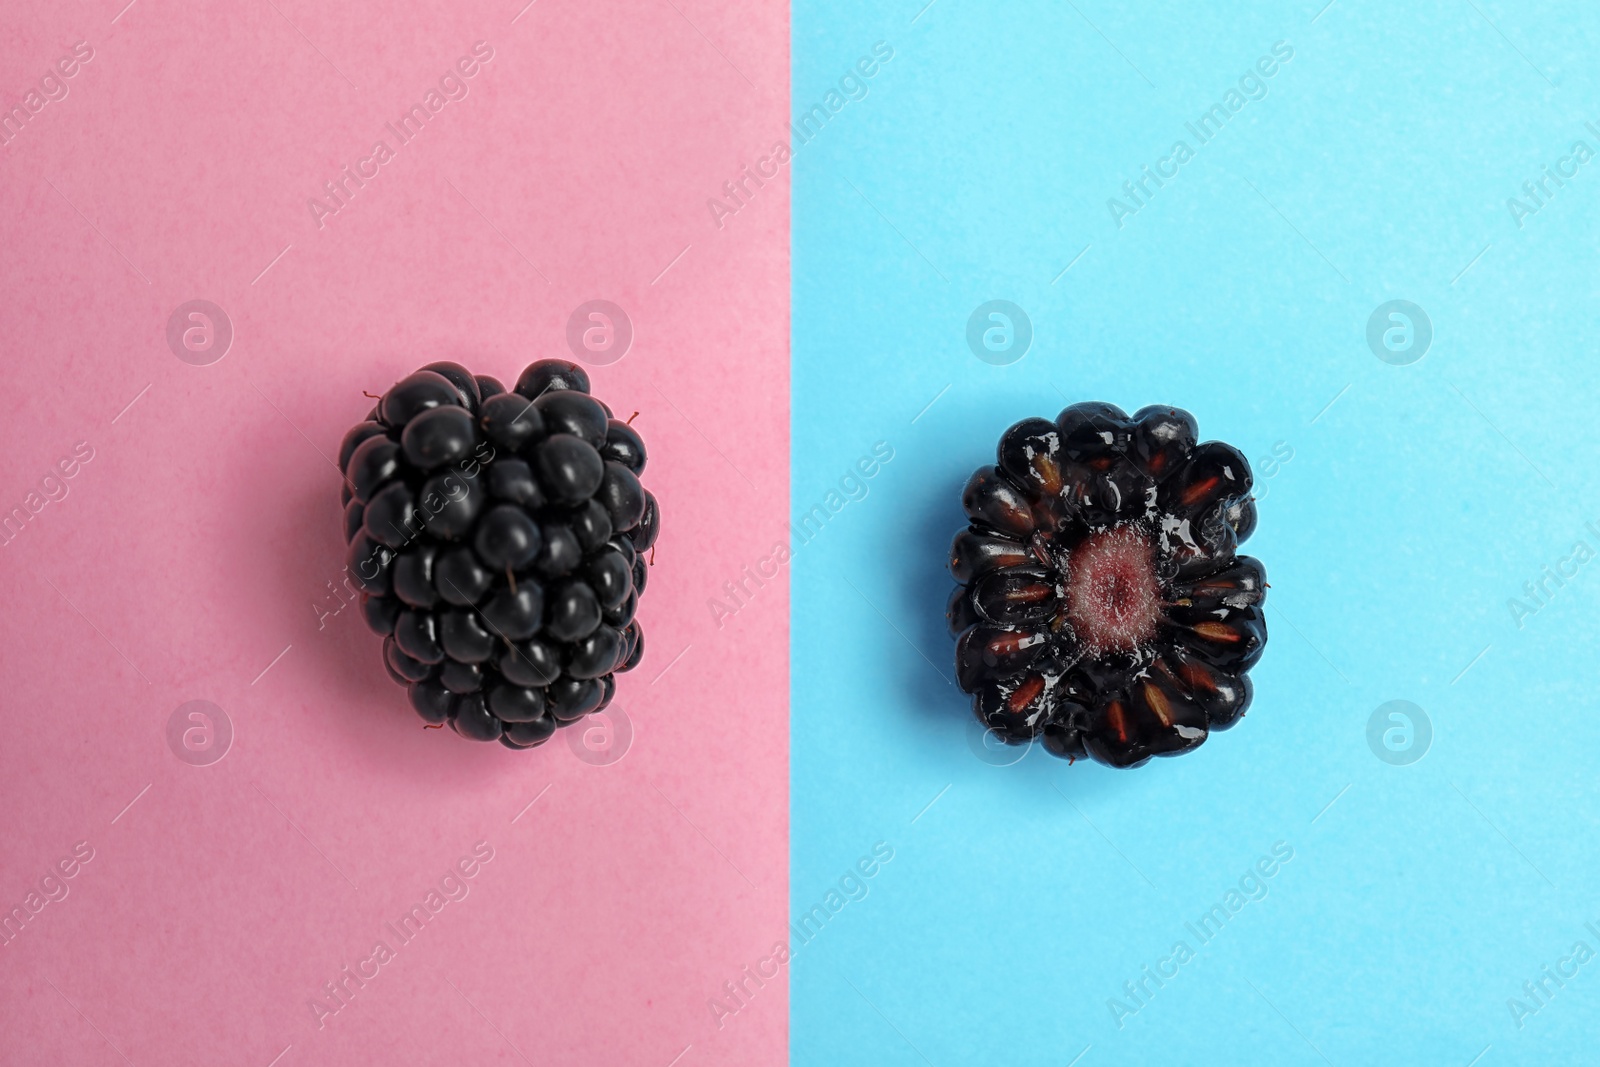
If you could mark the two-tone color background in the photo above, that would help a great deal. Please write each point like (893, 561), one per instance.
(800, 358)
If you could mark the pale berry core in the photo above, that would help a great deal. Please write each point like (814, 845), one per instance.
(1113, 598)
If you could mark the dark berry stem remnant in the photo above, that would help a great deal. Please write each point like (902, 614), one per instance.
(1103, 607)
(498, 541)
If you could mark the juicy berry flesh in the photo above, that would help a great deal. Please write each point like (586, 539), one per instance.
(1113, 600)
(1103, 608)
(495, 535)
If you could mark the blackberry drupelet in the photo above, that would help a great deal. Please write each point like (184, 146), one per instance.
(1103, 607)
(495, 537)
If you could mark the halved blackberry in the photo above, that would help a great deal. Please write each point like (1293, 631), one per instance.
(494, 536)
(1103, 608)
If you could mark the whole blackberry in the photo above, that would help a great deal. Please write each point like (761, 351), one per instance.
(497, 537)
(1103, 608)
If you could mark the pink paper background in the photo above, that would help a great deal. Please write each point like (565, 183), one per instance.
(190, 551)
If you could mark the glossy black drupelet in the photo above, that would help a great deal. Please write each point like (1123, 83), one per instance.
(1103, 608)
(495, 537)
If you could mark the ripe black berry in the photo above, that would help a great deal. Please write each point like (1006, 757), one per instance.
(471, 718)
(1103, 608)
(643, 535)
(578, 414)
(552, 374)
(460, 377)
(569, 468)
(562, 551)
(460, 578)
(573, 698)
(513, 614)
(460, 678)
(507, 538)
(510, 419)
(431, 700)
(512, 480)
(374, 462)
(412, 576)
(411, 396)
(495, 537)
(437, 437)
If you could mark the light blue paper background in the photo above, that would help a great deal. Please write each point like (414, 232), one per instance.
(1377, 167)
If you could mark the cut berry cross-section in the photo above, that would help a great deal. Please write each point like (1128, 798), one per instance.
(1103, 608)
(495, 537)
